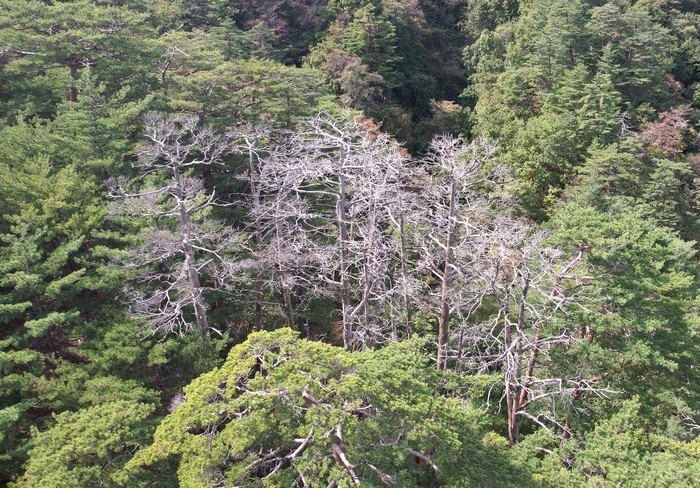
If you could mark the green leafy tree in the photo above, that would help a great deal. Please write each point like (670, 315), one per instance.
(44, 246)
(255, 90)
(93, 134)
(617, 451)
(367, 37)
(288, 412)
(371, 38)
(485, 60)
(394, 60)
(91, 446)
(640, 329)
(486, 15)
(216, 77)
(634, 51)
(292, 22)
(571, 73)
(659, 187)
(560, 39)
(47, 46)
(544, 155)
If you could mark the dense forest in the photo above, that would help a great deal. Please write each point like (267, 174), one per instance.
(334, 243)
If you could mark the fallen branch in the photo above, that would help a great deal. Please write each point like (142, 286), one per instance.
(304, 444)
(309, 400)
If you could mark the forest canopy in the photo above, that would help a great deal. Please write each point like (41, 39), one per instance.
(349, 243)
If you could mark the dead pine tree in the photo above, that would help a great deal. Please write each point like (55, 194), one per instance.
(451, 206)
(250, 147)
(529, 291)
(330, 185)
(277, 248)
(184, 244)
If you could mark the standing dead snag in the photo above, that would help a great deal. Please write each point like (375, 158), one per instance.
(250, 141)
(451, 207)
(530, 290)
(278, 248)
(184, 244)
(334, 182)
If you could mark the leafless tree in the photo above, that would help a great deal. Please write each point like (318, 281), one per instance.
(455, 216)
(279, 245)
(251, 138)
(529, 289)
(184, 244)
(401, 206)
(333, 182)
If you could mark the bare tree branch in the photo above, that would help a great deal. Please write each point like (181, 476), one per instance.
(182, 248)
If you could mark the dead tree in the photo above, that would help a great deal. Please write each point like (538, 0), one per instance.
(250, 146)
(184, 244)
(338, 176)
(452, 208)
(530, 290)
(282, 245)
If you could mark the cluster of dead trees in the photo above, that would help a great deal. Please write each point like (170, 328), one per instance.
(338, 209)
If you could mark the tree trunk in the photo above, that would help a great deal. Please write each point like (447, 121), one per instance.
(513, 402)
(367, 261)
(258, 243)
(284, 282)
(190, 264)
(404, 268)
(73, 64)
(534, 352)
(287, 303)
(516, 394)
(345, 294)
(511, 376)
(444, 319)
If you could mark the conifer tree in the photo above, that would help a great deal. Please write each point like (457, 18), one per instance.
(45, 284)
(290, 412)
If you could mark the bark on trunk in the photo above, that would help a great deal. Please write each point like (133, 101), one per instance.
(284, 282)
(512, 391)
(195, 289)
(258, 245)
(516, 394)
(344, 255)
(534, 352)
(513, 401)
(74, 64)
(444, 319)
(404, 272)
